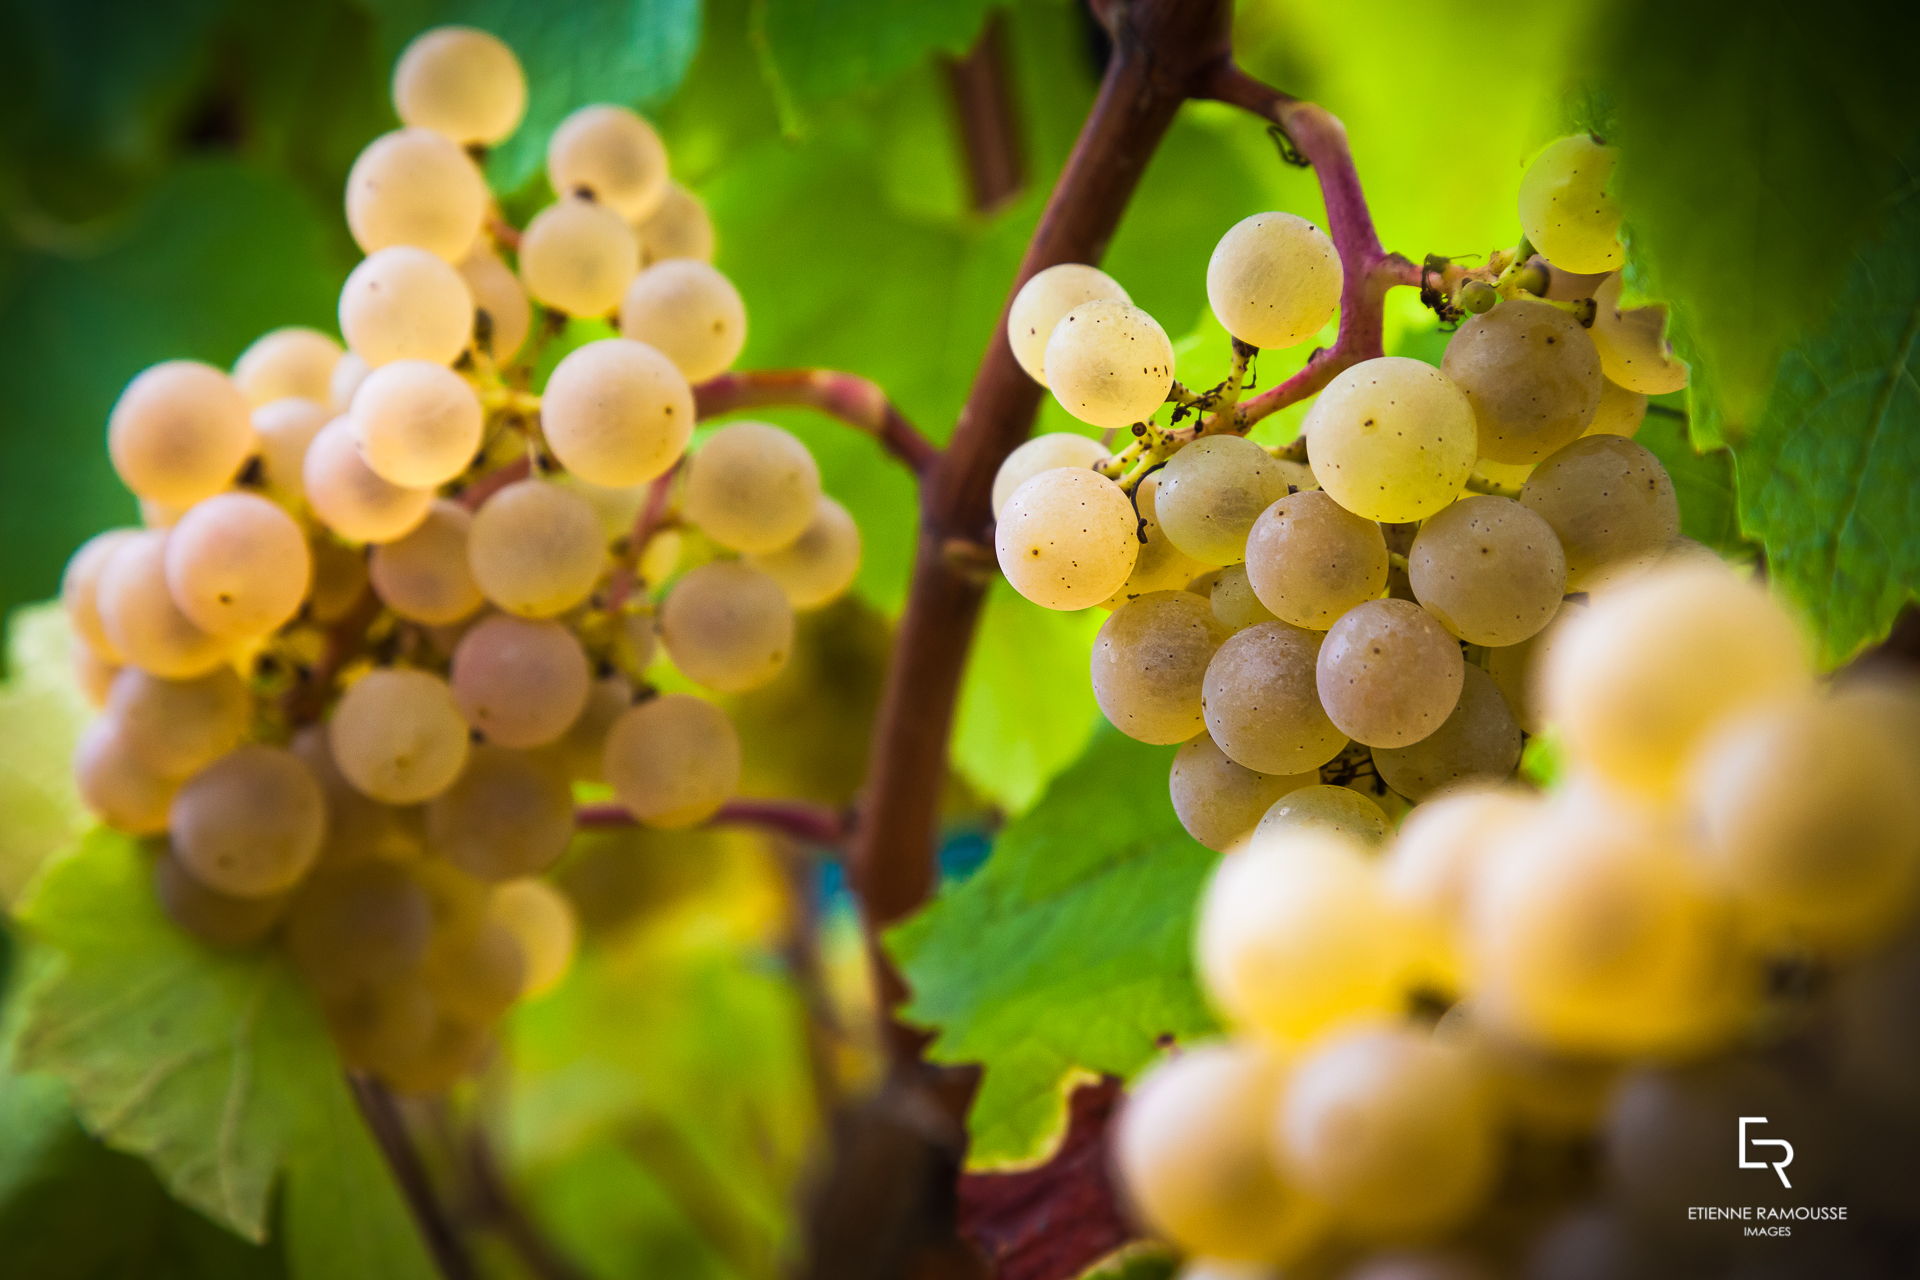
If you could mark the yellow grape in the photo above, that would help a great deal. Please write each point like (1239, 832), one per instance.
(1220, 802)
(1391, 439)
(238, 565)
(1309, 560)
(577, 256)
(177, 727)
(347, 377)
(509, 813)
(180, 432)
(287, 363)
(501, 299)
(1632, 342)
(818, 566)
(1149, 662)
(1620, 413)
(609, 154)
(424, 577)
(1233, 602)
(80, 589)
(475, 973)
(535, 548)
(416, 187)
(1516, 668)
(359, 827)
(688, 311)
(1067, 539)
(1609, 502)
(1532, 376)
(520, 681)
(419, 424)
(358, 924)
(404, 303)
(379, 1024)
(460, 82)
(1211, 494)
(115, 786)
(1489, 570)
(580, 749)
(1566, 208)
(144, 625)
(541, 920)
(727, 626)
(617, 413)
(285, 430)
(673, 760)
(1042, 302)
(249, 824)
(1043, 453)
(1435, 861)
(1261, 705)
(398, 736)
(217, 919)
(349, 498)
(1388, 674)
(1109, 363)
(339, 579)
(1318, 807)
(1478, 739)
(1158, 565)
(1273, 280)
(678, 228)
(751, 487)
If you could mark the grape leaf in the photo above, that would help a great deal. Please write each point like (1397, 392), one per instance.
(213, 1068)
(1067, 954)
(813, 50)
(43, 713)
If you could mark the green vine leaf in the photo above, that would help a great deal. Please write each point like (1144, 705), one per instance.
(1068, 953)
(816, 50)
(43, 712)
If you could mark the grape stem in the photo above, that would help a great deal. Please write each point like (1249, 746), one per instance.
(813, 824)
(436, 1222)
(651, 519)
(854, 400)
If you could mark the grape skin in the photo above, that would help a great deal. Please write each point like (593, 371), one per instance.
(1478, 739)
(359, 827)
(1489, 569)
(679, 228)
(818, 566)
(461, 82)
(416, 187)
(423, 576)
(751, 487)
(1388, 674)
(1109, 363)
(727, 626)
(1260, 701)
(349, 498)
(1310, 560)
(250, 824)
(177, 727)
(1220, 802)
(1532, 376)
(1233, 601)
(1158, 565)
(285, 430)
(1609, 502)
(217, 919)
(238, 565)
(1632, 344)
(1212, 492)
(1149, 661)
(520, 681)
(1391, 439)
(1434, 865)
(398, 736)
(80, 589)
(419, 424)
(356, 925)
(688, 311)
(116, 786)
(1273, 280)
(1620, 413)
(508, 814)
(1043, 301)
(403, 303)
(610, 154)
(1043, 453)
(292, 362)
(475, 972)
(180, 432)
(1566, 210)
(617, 413)
(673, 760)
(541, 920)
(535, 549)
(348, 374)
(502, 299)
(144, 626)
(1317, 807)
(578, 257)
(1067, 539)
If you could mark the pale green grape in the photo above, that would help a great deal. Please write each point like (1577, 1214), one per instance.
(609, 154)
(1610, 503)
(1478, 739)
(1391, 439)
(177, 727)
(1220, 802)
(404, 303)
(1388, 674)
(348, 374)
(1042, 302)
(419, 424)
(1490, 570)
(1318, 807)
(180, 432)
(1109, 363)
(460, 82)
(617, 413)
(673, 760)
(115, 786)
(678, 228)
(285, 430)
(1043, 453)
(359, 828)
(1632, 342)
(509, 813)
(238, 565)
(287, 363)
(249, 824)
(520, 681)
(502, 299)
(1148, 664)
(1532, 376)
(577, 256)
(475, 973)
(217, 919)
(1067, 539)
(80, 589)
(1516, 668)
(1566, 208)
(1273, 280)
(727, 626)
(818, 566)
(349, 498)
(542, 922)
(1434, 864)
(1260, 703)
(398, 735)
(416, 187)
(351, 925)
(1620, 413)
(424, 577)
(535, 548)
(1234, 602)
(751, 487)
(1212, 492)
(1158, 565)
(144, 625)
(1310, 560)
(688, 311)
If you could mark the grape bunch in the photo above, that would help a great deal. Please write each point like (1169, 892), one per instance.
(391, 605)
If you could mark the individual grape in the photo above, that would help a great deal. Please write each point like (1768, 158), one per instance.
(673, 760)
(1620, 413)
(535, 549)
(217, 919)
(1566, 209)
(249, 824)
(180, 432)
(349, 498)
(541, 921)
(1220, 802)
(1148, 664)
(1194, 1167)
(1043, 453)
(727, 626)
(1042, 303)
(419, 423)
(238, 565)
(458, 900)
(678, 228)
(1294, 936)
(1273, 280)
(1489, 570)
(751, 487)
(1260, 704)
(115, 786)
(423, 577)
(577, 256)
(398, 736)
(1391, 439)
(820, 564)
(348, 374)
(1158, 565)
(1390, 1129)
(358, 924)
(1478, 739)
(1067, 539)
(1233, 601)
(376, 1025)
(80, 589)
(508, 814)
(177, 727)
(288, 363)
(339, 580)
(1340, 810)
(1516, 668)
(608, 154)
(1212, 492)
(460, 82)
(519, 681)
(1809, 815)
(617, 413)
(1649, 670)
(581, 747)
(404, 303)
(285, 430)
(456, 1047)
(1109, 363)
(690, 312)
(1632, 342)
(1609, 502)
(1388, 674)
(499, 296)
(415, 187)
(92, 675)
(144, 625)
(1532, 376)
(475, 973)
(1434, 863)
(1310, 560)
(359, 828)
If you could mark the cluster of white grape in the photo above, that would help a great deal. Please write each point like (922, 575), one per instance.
(390, 606)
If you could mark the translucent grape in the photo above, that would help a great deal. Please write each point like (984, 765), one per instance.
(1273, 280)
(1532, 376)
(1260, 704)
(518, 681)
(423, 577)
(1609, 502)
(1340, 810)
(617, 413)
(419, 424)
(115, 786)
(416, 187)
(1043, 301)
(1149, 661)
(577, 256)
(80, 589)
(1158, 565)
(144, 625)
(727, 626)
(1220, 802)
(347, 377)
(678, 228)
(177, 727)
(249, 824)
(358, 827)
(1391, 439)
(501, 299)
(535, 548)
(1294, 936)
(1212, 492)
(1516, 668)
(238, 565)
(180, 432)
(820, 564)
(404, 303)
(1195, 1161)
(1620, 413)
(358, 924)
(217, 919)
(1233, 601)
(475, 973)
(460, 82)
(541, 921)
(611, 155)
(291, 362)
(673, 760)
(398, 736)
(1067, 539)
(1632, 343)
(1478, 739)
(581, 747)
(1434, 863)
(349, 498)
(1043, 453)
(690, 312)
(751, 487)
(1310, 560)
(1109, 363)
(508, 814)
(1566, 209)
(1489, 570)
(92, 675)
(1388, 674)
(285, 430)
